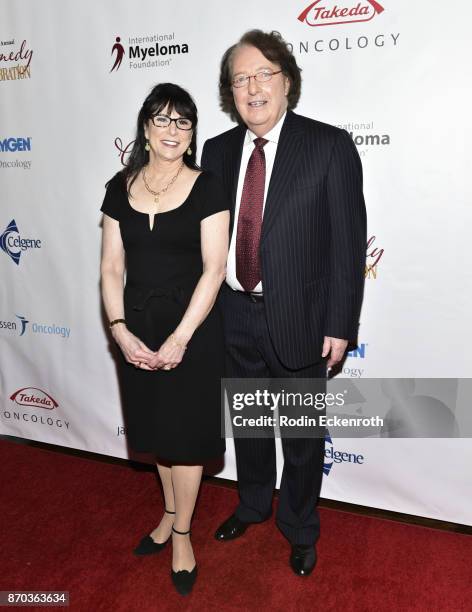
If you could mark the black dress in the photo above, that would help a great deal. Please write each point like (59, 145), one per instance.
(175, 414)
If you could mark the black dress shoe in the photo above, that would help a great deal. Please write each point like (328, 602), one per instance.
(183, 579)
(302, 559)
(147, 546)
(231, 529)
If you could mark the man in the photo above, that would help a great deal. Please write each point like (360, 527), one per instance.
(295, 269)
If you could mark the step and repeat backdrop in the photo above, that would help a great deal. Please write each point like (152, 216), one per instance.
(394, 74)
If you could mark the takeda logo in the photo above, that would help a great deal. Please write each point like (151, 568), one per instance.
(34, 398)
(345, 39)
(39, 409)
(322, 13)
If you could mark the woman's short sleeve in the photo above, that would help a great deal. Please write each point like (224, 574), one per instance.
(213, 198)
(113, 200)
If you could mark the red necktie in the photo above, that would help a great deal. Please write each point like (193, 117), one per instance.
(248, 267)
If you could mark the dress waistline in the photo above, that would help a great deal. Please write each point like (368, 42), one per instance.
(176, 294)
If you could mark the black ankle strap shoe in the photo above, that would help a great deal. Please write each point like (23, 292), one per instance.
(183, 579)
(147, 546)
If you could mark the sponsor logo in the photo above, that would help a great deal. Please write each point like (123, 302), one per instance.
(370, 139)
(341, 14)
(123, 151)
(34, 398)
(365, 136)
(19, 325)
(50, 329)
(15, 62)
(119, 52)
(12, 145)
(374, 255)
(151, 51)
(353, 372)
(14, 245)
(344, 43)
(333, 456)
(23, 323)
(15, 145)
(358, 352)
(324, 13)
(25, 164)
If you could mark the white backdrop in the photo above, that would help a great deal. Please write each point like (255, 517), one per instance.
(394, 78)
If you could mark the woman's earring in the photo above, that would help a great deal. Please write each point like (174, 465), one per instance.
(189, 151)
(147, 146)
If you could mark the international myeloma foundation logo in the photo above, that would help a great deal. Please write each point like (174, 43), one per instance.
(34, 398)
(321, 13)
(120, 52)
(147, 51)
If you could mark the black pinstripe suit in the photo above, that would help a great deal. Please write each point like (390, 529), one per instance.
(312, 253)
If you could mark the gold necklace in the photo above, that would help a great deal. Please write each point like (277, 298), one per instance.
(157, 194)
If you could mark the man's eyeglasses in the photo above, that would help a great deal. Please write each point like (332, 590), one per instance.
(164, 121)
(261, 77)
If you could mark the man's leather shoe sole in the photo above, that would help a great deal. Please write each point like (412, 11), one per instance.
(231, 529)
(303, 559)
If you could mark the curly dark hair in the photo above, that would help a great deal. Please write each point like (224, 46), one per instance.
(162, 95)
(275, 49)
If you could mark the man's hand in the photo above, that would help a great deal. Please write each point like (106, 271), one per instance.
(335, 348)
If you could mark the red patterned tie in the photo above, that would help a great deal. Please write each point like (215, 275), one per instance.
(248, 267)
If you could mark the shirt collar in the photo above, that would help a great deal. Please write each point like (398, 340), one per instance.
(272, 135)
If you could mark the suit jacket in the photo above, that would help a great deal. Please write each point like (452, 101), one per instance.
(313, 240)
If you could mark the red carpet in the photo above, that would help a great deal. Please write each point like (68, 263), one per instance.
(71, 524)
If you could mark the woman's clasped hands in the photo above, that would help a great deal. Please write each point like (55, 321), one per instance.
(169, 355)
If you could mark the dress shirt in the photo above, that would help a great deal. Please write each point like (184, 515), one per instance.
(270, 149)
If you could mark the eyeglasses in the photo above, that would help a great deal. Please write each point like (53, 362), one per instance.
(164, 121)
(261, 77)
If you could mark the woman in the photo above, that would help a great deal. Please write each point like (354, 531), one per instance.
(171, 221)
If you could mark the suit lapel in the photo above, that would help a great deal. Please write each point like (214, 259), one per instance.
(284, 166)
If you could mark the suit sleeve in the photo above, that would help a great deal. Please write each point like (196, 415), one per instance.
(348, 239)
(212, 159)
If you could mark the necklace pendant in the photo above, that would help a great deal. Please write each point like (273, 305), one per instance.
(156, 200)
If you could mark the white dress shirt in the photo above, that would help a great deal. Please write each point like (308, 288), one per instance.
(270, 149)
